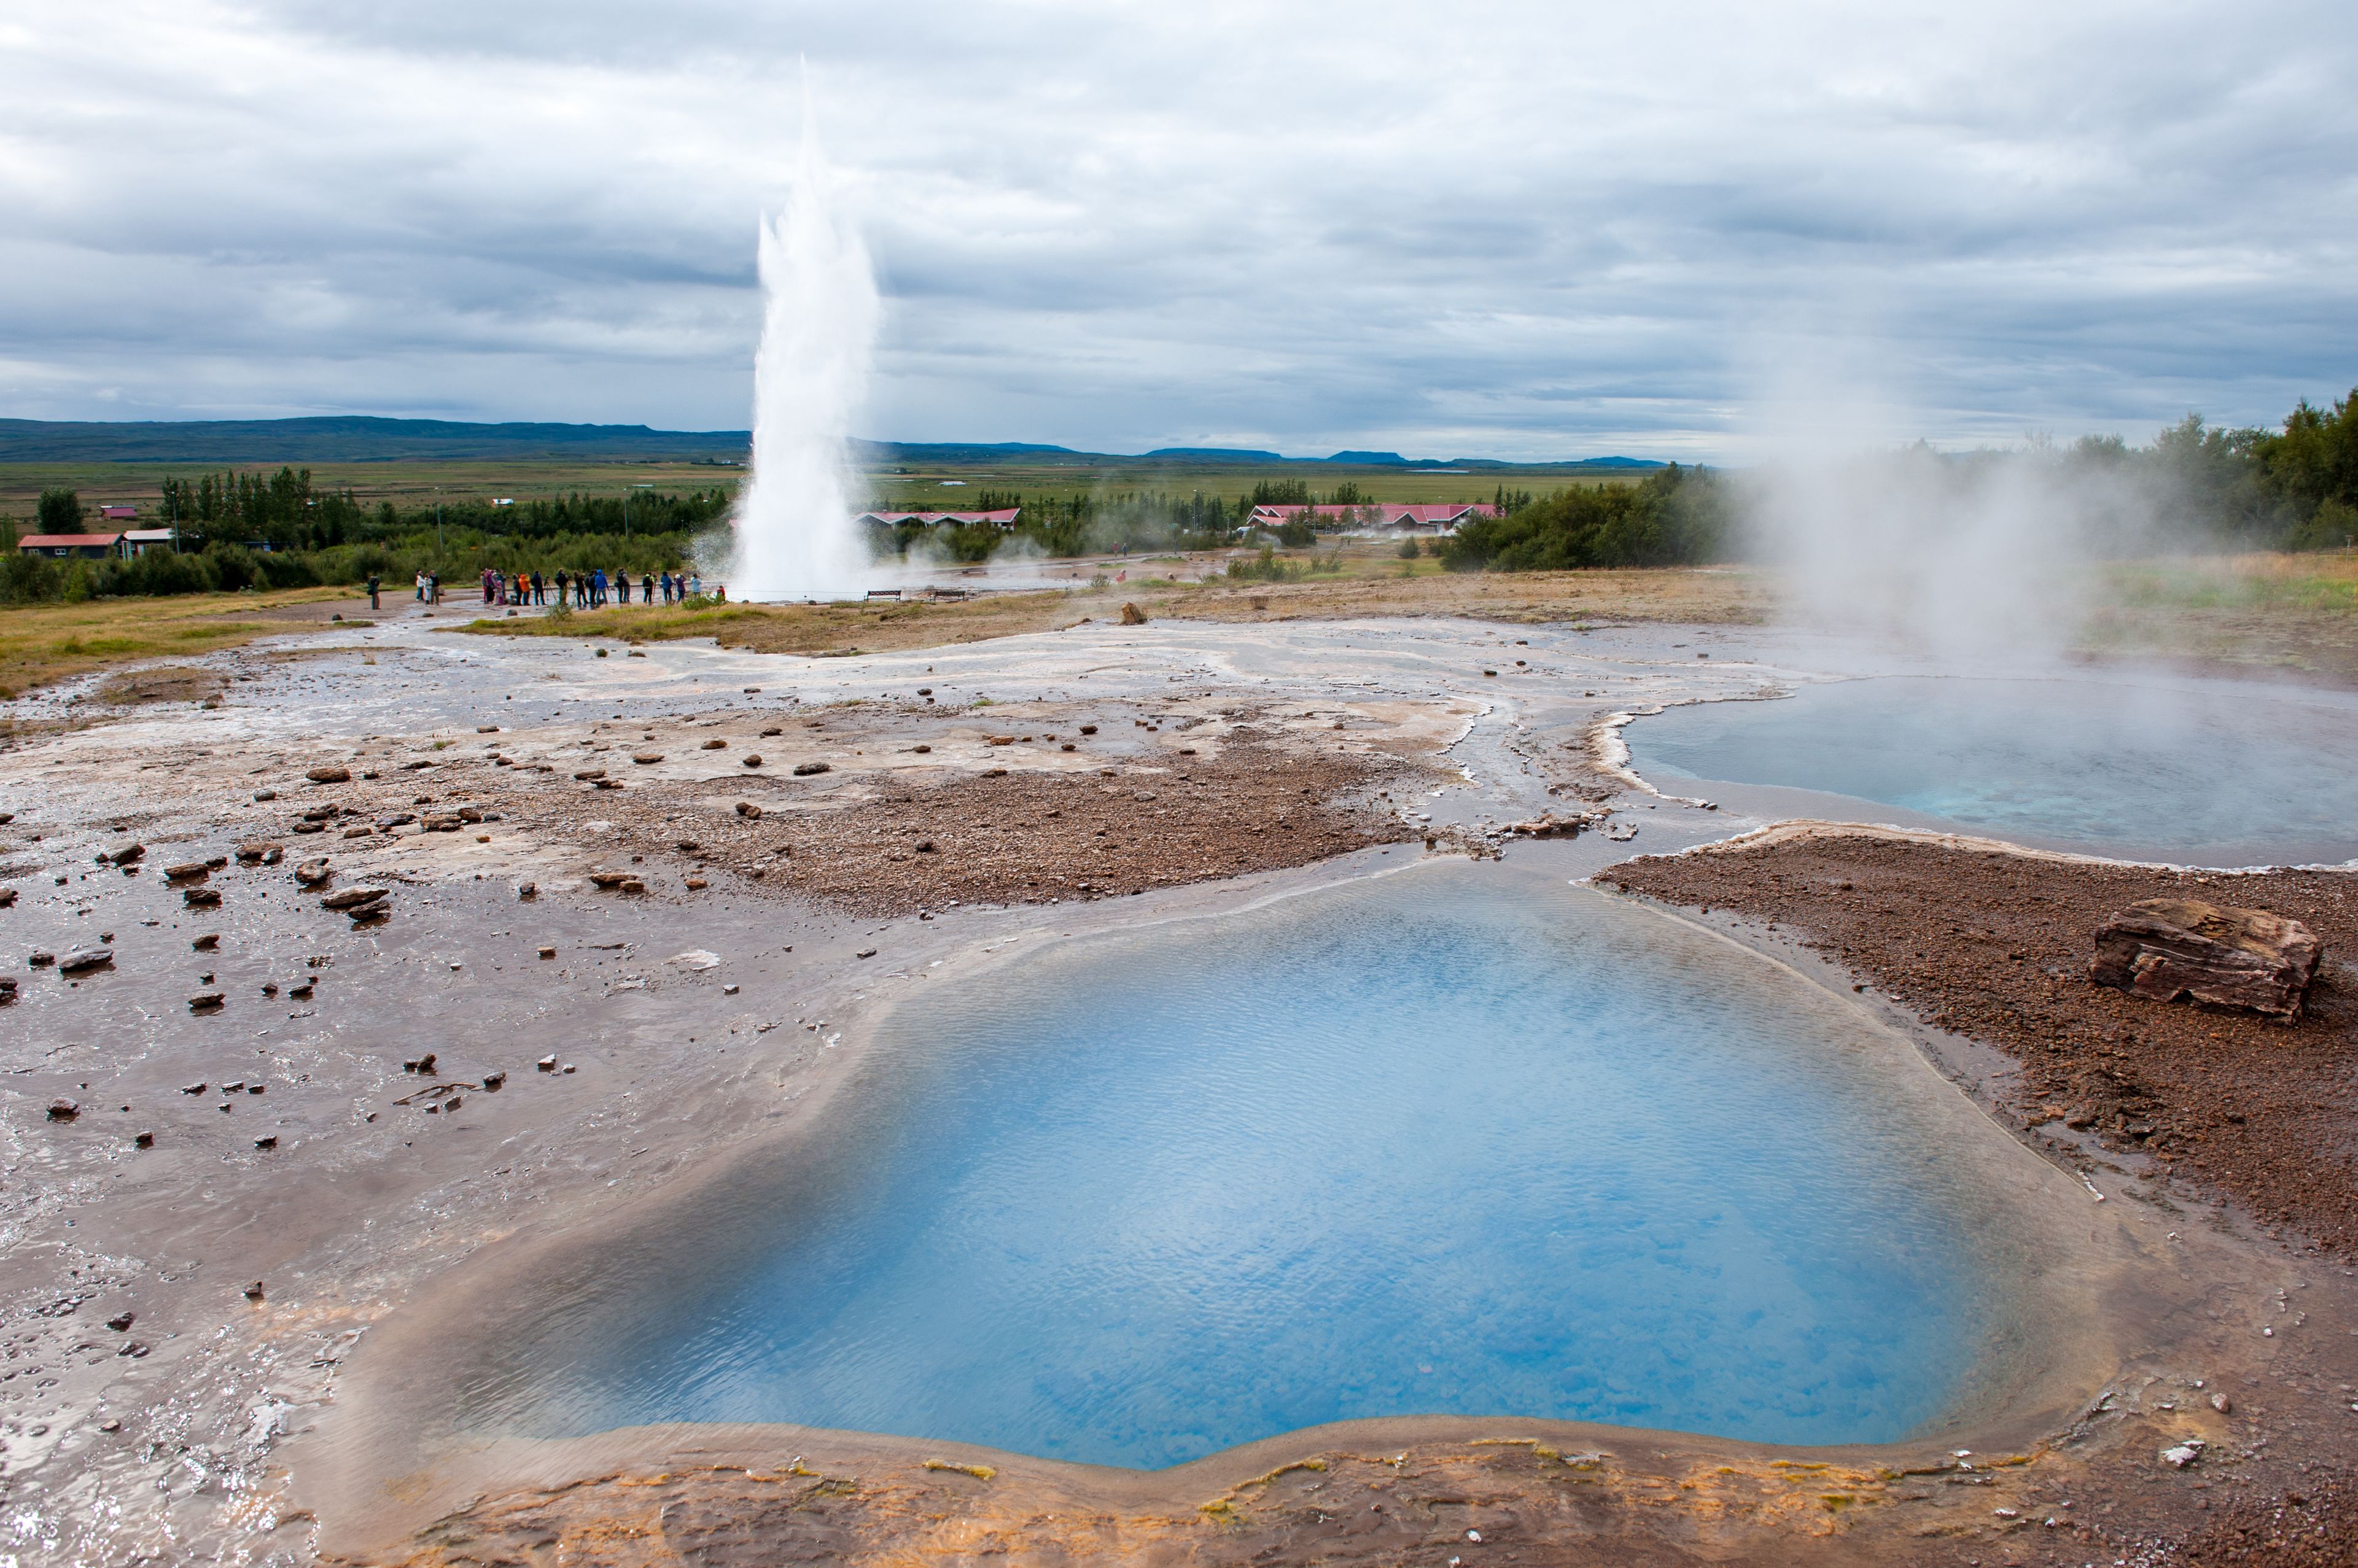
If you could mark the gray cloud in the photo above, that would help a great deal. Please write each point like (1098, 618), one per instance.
(1517, 228)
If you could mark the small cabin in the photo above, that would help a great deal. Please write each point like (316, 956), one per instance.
(67, 546)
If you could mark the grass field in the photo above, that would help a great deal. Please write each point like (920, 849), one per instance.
(2293, 614)
(41, 643)
(414, 484)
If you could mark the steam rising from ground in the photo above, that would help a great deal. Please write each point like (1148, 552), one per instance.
(1995, 556)
(794, 534)
(1967, 557)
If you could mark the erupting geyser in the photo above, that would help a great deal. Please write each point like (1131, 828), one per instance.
(795, 537)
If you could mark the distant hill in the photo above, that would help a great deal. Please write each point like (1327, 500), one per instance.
(362, 438)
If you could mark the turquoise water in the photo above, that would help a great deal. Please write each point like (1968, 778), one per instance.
(1414, 1146)
(2205, 774)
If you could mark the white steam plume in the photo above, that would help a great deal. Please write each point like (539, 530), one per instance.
(795, 536)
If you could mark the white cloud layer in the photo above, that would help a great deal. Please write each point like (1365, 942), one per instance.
(1487, 228)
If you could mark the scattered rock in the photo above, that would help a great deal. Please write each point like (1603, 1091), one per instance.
(7, 898)
(546, 1064)
(207, 942)
(142, 1140)
(441, 822)
(752, 759)
(925, 846)
(2171, 949)
(312, 873)
(201, 898)
(420, 1064)
(591, 776)
(398, 819)
(42, 960)
(310, 828)
(1088, 729)
(806, 770)
(128, 854)
(207, 1001)
(921, 751)
(121, 1322)
(267, 1141)
(994, 772)
(633, 884)
(265, 794)
(491, 1081)
(749, 811)
(600, 877)
(192, 1088)
(2179, 1455)
(547, 952)
(487, 728)
(2221, 1403)
(350, 899)
(254, 1292)
(363, 831)
(259, 854)
(7, 991)
(187, 871)
(330, 774)
(645, 758)
(695, 958)
(696, 885)
(83, 960)
(865, 953)
(527, 891)
(716, 744)
(63, 1109)
(1131, 615)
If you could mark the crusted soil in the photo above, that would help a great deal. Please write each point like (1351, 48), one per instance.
(1996, 946)
(916, 811)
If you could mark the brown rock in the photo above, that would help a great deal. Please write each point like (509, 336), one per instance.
(355, 898)
(207, 942)
(188, 870)
(753, 761)
(644, 758)
(715, 744)
(63, 1109)
(201, 898)
(806, 770)
(206, 1002)
(311, 873)
(2172, 949)
(748, 810)
(330, 774)
(128, 854)
(88, 958)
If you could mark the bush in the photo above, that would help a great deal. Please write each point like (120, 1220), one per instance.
(1409, 550)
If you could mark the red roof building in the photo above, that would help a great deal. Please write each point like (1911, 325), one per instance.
(62, 546)
(1378, 514)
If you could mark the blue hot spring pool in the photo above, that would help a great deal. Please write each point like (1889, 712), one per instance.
(2202, 773)
(1458, 1140)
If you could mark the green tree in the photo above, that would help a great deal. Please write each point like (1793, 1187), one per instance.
(60, 511)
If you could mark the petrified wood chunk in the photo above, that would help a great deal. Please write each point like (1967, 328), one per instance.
(2173, 949)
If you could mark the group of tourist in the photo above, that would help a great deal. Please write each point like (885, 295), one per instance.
(587, 591)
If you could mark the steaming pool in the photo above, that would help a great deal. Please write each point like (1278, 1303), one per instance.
(1461, 1139)
(2214, 773)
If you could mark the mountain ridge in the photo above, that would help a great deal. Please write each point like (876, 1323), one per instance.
(365, 437)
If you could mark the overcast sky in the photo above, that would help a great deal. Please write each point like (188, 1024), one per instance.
(1515, 229)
